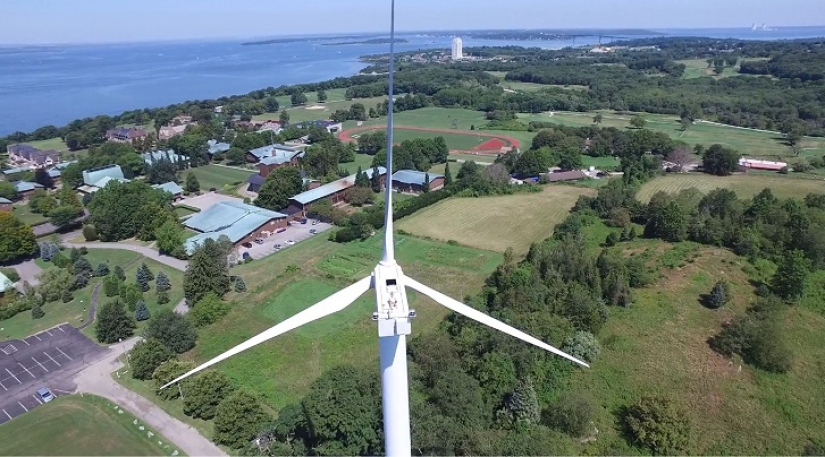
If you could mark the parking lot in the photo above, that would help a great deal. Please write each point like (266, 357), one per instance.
(48, 359)
(296, 232)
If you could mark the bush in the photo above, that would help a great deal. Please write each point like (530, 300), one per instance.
(658, 424)
(572, 414)
(111, 286)
(582, 345)
(142, 311)
(240, 285)
(120, 273)
(37, 312)
(204, 393)
(238, 419)
(165, 373)
(10, 273)
(90, 233)
(757, 338)
(173, 330)
(163, 297)
(208, 310)
(67, 296)
(80, 281)
(146, 356)
(101, 270)
(611, 240)
(720, 295)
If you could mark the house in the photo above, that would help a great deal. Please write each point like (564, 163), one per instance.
(9, 175)
(125, 134)
(5, 284)
(334, 192)
(411, 181)
(56, 171)
(98, 178)
(5, 204)
(281, 151)
(181, 119)
(217, 148)
(330, 126)
(746, 164)
(156, 156)
(25, 188)
(562, 176)
(171, 187)
(28, 155)
(240, 222)
(171, 131)
(270, 126)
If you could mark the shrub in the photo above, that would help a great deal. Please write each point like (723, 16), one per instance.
(111, 286)
(720, 295)
(165, 373)
(240, 285)
(756, 337)
(208, 310)
(237, 419)
(146, 356)
(142, 311)
(90, 233)
(612, 239)
(162, 297)
(102, 270)
(119, 273)
(173, 330)
(204, 393)
(572, 414)
(37, 312)
(80, 281)
(67, 296)
(763, 290)
(131, 295)
(658, 424)
(582, 345)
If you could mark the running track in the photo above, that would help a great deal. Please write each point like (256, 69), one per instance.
(347, 134)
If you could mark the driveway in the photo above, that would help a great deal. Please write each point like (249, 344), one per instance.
(28, 272)
(145, 251)
(206, 200)
(296, 232)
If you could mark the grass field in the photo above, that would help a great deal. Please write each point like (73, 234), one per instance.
(335, 101)
(23, 213)
(496, 223)
(743, 185)
(219, 176)
(183, 212)
(75, 425)
(659, 346)
(361, 160)
(454, 140)
(519, 86)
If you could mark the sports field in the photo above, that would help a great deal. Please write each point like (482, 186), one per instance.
(496, 223)
(743, 185)
(75, 425)
(457, 140)
(219, 176)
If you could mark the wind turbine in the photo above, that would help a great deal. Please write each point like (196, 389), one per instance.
(392, 313)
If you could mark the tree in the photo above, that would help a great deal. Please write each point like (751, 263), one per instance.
(162, 297)
(523, 404)
(41, 176)
(146, 272)
(16, 238)
(240, 285)
(146, 357)
(280, 185)
(116, 209)
(210, 309)
(685, 123)
(53, 281)
(298, 98)
(131, 294)
(101, 270)
(681, 157)
(67, 296)
(90, 233)
(570, 156)
(284, 119)
(235, 155)
(169, 238)
(719, 295)
(238, 418)
(204, 393)
(113, 324)
(162, 171)
(361, 179)
(322, 96)
(119, 273)
(192, 184)
(583, 345)
(658, 424)
(721, 161)
(162, 283)
(206, 272)
(7, 190)
(448, 176)
(573, 414)
(37, 312)
(791, 275)
(532, 162)
(142, 311)
(598, 118)
(165, 373)
(375, 180)
(111, 285)
(638, 122)
(173, 330)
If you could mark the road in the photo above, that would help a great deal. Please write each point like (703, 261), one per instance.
(145, 251)
(97, 379)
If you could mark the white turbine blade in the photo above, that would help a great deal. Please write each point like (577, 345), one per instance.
(482, 318)
(332, 304)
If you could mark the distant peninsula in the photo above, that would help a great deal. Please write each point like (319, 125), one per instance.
(371, 41)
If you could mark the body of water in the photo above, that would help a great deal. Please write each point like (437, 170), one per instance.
(55, 85)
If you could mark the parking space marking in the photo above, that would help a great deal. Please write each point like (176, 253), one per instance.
(4, 387)
(38, 338)
(61, 329)
(64, 354)
(27, 370)
(50, 333)
(50, 358)
(38, 400)
(13, 376)
(24, 406)
(27, 343)
(41, 365)
(8, 415)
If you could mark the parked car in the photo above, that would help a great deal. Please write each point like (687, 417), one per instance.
(45, 394)
(313, 231)
(304, 220)
(315, 222)
(290, 242)
(259, 240)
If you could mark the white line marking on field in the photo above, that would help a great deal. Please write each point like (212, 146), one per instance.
(13, 376)
(64, 354)
(38, 400)
(50, 358)
(41, 365)
(24, 406)
(27, 370)
(8, 415)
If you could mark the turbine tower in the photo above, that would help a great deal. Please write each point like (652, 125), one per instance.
(392, 313)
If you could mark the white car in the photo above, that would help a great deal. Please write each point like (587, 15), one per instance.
(45, 395)
(289, 242)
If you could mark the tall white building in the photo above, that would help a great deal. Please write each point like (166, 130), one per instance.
(458, 48)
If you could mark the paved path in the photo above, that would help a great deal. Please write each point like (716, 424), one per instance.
(28, 272)
(92, 306)
(96, 379)
(145, 251)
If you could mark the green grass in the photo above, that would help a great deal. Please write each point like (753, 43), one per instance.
(599, 162)
(744, 185)
(361, 160)
(496, 223)
(25, 215)
(519, 86)
(180, 211)
(219, 176)
(335, 101)
(52, 143)
(466, 141)
(81, 425)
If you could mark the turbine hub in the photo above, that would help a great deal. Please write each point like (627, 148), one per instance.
(392, 310)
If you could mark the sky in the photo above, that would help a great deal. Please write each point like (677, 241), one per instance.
(103, 21)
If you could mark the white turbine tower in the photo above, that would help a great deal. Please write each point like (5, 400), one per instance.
(392, 313)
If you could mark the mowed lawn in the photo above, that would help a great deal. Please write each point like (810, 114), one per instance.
(219, 176)
(496, 223)
(464, 141)
(75, 425)
(744, 185)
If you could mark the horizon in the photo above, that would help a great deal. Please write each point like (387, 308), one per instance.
(61, 22)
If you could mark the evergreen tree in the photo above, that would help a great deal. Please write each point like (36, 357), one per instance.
(142, 283)
(162, 297)
(147, 356)
(207, 272)
(147, 272)
(130, 294)
(113, 324)
(448, 175)
(111, 285)
(426, 187)
(173, 330)
(162, 283)
(37, 312)
(82, 267)
(375, 180)
(361, 179)
(523, 404)
(67, 296)
(791, 275)
(719, 295)
(240, 285)
(74, 255)
(80, 281)
(142, 311)
(119, 273)
(102, 270)
(192, 184)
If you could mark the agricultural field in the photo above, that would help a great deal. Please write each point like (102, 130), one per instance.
(659, 346)
(496, 223)
(80, 425)
(220, 177)
(744, 185)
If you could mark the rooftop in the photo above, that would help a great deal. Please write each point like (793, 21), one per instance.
(232, 219)
(5, 283)
(317, 123)
(566, 176)
(216, 147)
(414, 177)
(25, 186)
(272, 149)
(104, 181)
(171, 187)
(280, 157)
(156, 156)
(326, 190)
(91, 177)
(5, 201)
(12, 171)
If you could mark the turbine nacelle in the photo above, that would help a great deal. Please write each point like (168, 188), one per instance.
(392, 311)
